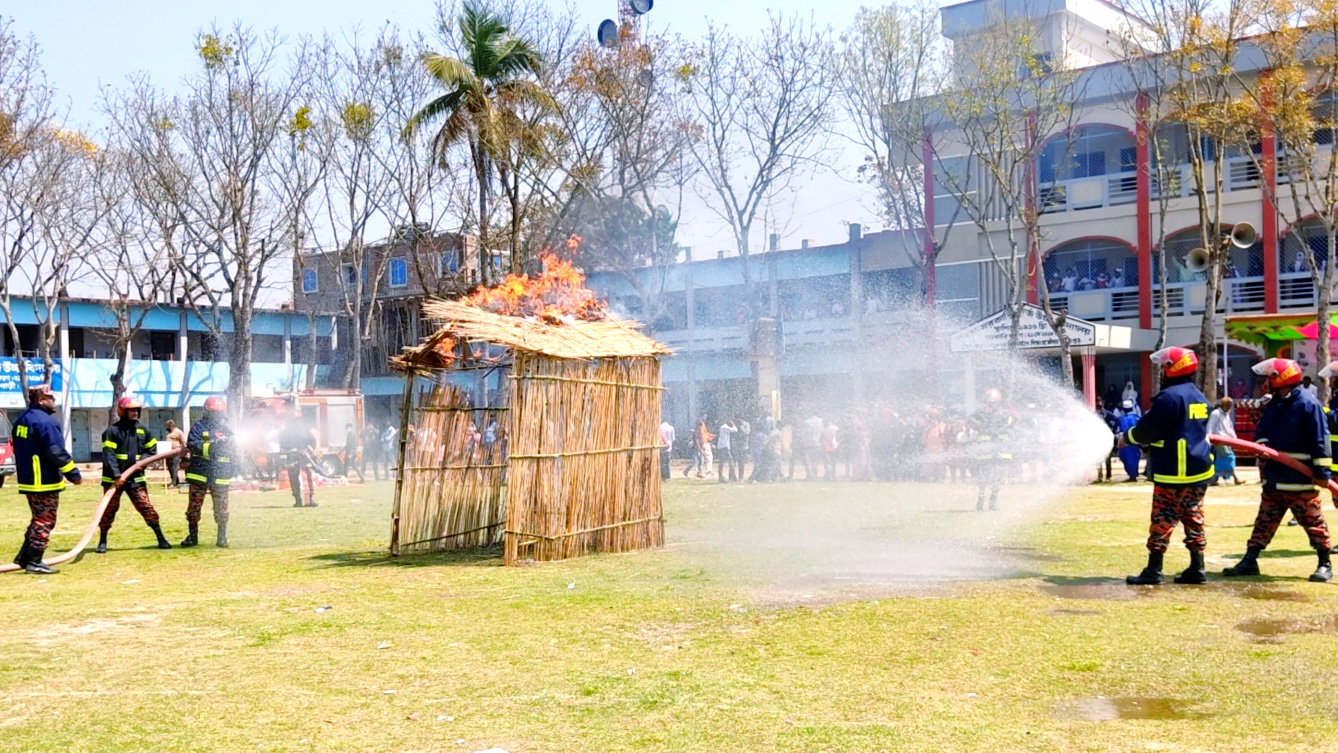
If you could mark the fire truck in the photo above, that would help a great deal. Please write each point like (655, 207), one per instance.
(327, 411)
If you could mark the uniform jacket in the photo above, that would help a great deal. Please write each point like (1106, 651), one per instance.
(992, 433)
(1332, 416)
(1295, 426)
(209, 445)
(124, 443)
(1175, 433)
(40, 460)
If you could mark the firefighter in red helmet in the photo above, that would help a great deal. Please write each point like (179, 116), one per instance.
(125, 443)
(1292, 423)
(1174, 432)
(210, 447)
(990, 426)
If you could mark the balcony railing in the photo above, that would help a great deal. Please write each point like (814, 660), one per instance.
(1295, 290)
(1087, 193)
(1239, 294)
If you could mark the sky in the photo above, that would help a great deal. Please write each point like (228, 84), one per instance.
(88, 44)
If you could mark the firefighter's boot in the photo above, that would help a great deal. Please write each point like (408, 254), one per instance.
(1324, 570)
(192, 538)
(1151, 575)
(1194, 574)
(102, 543)
(222, 542)
(1248, 565)
(162, 540)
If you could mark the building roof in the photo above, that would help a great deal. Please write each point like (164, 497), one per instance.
(554, 336)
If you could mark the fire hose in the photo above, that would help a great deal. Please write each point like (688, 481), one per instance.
(1271, 455)
(101, 508)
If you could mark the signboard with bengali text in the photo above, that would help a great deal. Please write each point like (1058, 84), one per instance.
(1034, 332)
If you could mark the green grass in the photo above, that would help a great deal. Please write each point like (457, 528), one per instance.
(671, 650)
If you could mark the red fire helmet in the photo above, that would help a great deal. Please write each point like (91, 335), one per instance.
(127, 404)
(993, 396)
(1176, 361)
(215, 403)
(1281, 372)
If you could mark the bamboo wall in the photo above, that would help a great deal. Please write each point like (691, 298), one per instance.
(585, 463)
(449, 493)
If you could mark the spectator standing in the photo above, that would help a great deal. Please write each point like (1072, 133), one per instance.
(176, 439)
(742, 447)
(371, 450)
(351, 452)
(1310, 388)
(1130, 455)
(667, 438)
(724, 444)
(830, 442)
(388, 448)
(1223, 423)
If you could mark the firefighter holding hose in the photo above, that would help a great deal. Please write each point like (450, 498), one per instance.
(124, 443)
(1175, 433)
(41, 466)
(989, 427)
(210, 447)
(1294, 425)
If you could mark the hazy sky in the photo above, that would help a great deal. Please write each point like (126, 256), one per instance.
(87, 44)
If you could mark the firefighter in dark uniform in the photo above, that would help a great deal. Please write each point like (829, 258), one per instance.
(990, 428)
(210, 448)
(1328, 372)
(299, 444)
(41, 468)
(124, 443)
(1180, 461)
(1293, 424)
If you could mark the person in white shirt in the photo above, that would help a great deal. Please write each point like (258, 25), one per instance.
(667, 437)
(1308, 385)
(1222, 423)
(724, 457)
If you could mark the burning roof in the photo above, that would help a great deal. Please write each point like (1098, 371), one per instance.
(553, 314)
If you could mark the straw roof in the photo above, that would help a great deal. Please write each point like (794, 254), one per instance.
(550, 336)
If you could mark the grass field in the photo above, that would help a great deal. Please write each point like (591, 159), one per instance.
(682, 649)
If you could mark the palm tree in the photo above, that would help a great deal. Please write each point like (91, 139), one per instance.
(484, 90)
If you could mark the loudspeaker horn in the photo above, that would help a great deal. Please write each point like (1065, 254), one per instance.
(1196, 260)
(1243, 235)
(642, 7)
(607, 34)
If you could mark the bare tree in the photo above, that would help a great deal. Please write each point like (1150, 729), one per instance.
(893, 63)
(214, 154)
(760, 110)
(30, 156)
(1010, 95)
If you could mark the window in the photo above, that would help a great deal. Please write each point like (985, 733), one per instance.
(399, 273)
(350, 275)
(1129, 159)
(308, 281)
(450, 263)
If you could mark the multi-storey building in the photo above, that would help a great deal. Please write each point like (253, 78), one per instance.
(1102, 227)
(411, 265)
(175, 362)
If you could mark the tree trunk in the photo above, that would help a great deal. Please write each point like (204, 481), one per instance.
(239, 363)
(1323, 300)
(311, 349)
(353, 377)
(482, 172)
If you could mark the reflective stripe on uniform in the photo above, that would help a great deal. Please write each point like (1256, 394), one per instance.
(108, 443)
(1163, 478)
(1297, 455)
(204, 450)
(1295, 487)
(196, 477)
(67, 467)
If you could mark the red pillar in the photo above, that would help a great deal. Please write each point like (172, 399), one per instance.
(1144, 214)
(1268, 229)
(1089, 380)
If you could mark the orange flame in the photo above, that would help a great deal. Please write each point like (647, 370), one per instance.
(557, 294)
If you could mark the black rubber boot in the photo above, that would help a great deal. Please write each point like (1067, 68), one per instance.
(1194, 574)
(102, 543)
(1248, 565)
(1151, 575)
(163, 543)
(1324, 570)
(994, 500)
(22, 558)
(36, 566)
(192, 538)
(222, 542)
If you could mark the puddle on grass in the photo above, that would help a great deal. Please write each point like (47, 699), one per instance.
(1028, 553)
(1102, 709)
(1274, 630)
(1097, 589)
(1260, 592)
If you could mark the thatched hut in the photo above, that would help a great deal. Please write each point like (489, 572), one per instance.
(539, 432)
